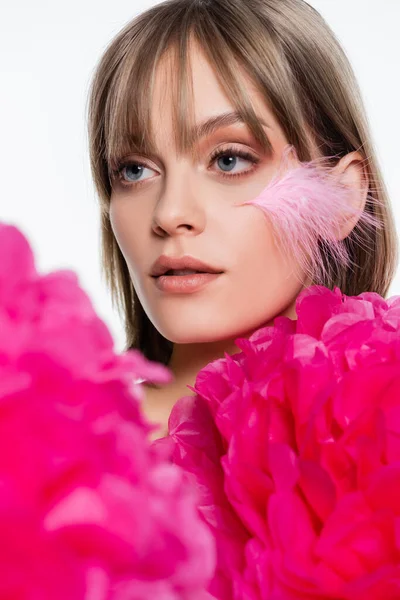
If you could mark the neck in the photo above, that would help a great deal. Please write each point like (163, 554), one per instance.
(188, 359)
(185, 363)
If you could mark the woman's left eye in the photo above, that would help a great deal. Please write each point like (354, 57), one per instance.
(229, 161)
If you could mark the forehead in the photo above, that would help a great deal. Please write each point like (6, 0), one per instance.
(184, 103)
(208, 104)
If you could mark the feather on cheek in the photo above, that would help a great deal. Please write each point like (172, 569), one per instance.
(307, 206)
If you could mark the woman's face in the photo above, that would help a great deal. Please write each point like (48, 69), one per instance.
(180, 206)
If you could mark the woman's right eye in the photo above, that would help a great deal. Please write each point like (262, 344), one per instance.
(133, 171)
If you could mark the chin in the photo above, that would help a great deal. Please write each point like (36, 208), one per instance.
(201, 333)
(206, 323)
(191, 335)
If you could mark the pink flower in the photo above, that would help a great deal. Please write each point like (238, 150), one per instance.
(88, 508)
(305, 424)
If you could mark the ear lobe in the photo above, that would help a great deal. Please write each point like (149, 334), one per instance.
(352, 173)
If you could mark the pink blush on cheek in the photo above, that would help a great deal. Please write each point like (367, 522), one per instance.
(307, 204)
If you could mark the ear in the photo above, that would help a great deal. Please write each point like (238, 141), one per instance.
(353, 173)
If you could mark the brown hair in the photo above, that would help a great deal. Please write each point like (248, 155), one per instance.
(295, 60)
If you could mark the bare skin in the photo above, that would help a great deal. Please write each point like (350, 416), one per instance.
(159, 401)
(185, 206)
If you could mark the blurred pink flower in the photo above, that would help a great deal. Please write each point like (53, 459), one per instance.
(88, 508)
(302, 432)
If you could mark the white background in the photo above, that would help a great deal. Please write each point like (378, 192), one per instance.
(48, 51)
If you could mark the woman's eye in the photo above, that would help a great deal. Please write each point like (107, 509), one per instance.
(133, 172)
(227, 160)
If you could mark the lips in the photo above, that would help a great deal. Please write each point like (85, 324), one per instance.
(184, 284)
(185, 265)
(182, 272)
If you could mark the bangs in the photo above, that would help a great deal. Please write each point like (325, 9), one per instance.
(127, 120)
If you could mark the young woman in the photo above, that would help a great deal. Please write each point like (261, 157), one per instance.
(190, 109)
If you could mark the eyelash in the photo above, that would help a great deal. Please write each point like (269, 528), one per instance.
(231, 151)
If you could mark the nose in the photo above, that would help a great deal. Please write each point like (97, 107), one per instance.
(180, 209)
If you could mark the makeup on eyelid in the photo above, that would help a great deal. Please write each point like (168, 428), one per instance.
(228, 152)
(231, 149)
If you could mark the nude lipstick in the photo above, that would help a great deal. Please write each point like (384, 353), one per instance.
(182, 275)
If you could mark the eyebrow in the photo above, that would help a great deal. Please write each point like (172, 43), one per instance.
(226, 119)
(201, 130)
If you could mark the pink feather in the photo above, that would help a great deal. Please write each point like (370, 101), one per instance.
(307, 204)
